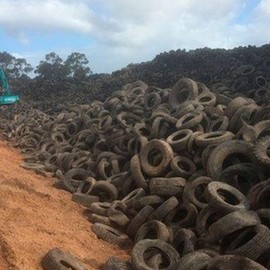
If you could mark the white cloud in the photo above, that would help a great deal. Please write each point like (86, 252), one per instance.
(263, 9)
(256, 31)
(124, 31)
(46, 15)
(163, 21)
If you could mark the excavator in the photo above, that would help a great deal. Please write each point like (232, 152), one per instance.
(6, 98)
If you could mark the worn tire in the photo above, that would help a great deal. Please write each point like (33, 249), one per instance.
(225, 198)
(222, 151)
(232, 222)
(164, 248)
(139, 220)
(194, 261)
(56, 259)
(167, 155)
(111, 235)
(233, 262)
(153, 228)
(164, 209)
(185, 89)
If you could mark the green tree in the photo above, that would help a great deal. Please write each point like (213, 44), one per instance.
(14, 67)
(52, 67)
(77, 66)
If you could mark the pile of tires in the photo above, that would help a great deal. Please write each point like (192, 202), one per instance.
(181, 173)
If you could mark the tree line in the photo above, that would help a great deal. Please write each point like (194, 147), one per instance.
(75, 66)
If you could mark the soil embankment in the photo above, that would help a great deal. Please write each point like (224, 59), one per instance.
(36, 217)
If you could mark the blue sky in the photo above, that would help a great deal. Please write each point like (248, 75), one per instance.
(114, 33)
(247, 12)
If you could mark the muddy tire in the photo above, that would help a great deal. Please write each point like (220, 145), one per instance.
(111, 235)
(57, 259)
(225, 198)
(153, 227)
(164, 248)
(223, 151)
(166, 156)
(233, 262)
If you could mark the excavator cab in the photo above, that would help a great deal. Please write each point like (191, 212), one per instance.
(5, 96)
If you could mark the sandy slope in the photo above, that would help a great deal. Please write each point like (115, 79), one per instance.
(36, 217)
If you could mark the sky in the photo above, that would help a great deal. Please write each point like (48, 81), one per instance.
(115, 33)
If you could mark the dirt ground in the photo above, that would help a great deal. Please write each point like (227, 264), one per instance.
(36, 217)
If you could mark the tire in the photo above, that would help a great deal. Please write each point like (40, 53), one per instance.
(234, 105)
(65, 161)
(58, 138)
(261, 150)
(191, 146)
(94, 218)
(206, 99)
(185, 89)
(184, 108)
(139, 220)
(105, 191)
(252, 242)
(155, 261)
(178, 140)
(255, 193)
(117, 213)
(219, 124)
(206, 218)
(73, 178)
(104, 169)
(134, 195)
(224, 100)
(167, 155)
(225, 198)
(242, 176)
(167, 186)
(242, 117)
(50, 163)
(184, 215)
(264, 215)
(116, 264)
(189, 121)
(194, 261)
(138, 258)
(215, 137)
(118, 180)
(33, 166)
(100, 208)
(262, 129)
(111, 235)
(191, 191)
(153, 228)
(184, 241)
(57, 259)
(233, 262)
(84, 199)
(222, 151)
(183, 166)
(136, 171)
(151, 101)
(151, 200)
(164, 209)
(37, 168)
(231, 223)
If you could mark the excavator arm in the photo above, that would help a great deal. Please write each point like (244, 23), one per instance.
(6, 98)
(4, 82)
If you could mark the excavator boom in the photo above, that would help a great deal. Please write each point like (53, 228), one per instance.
(6, 98)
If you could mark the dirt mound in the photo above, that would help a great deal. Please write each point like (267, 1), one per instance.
(36, 217)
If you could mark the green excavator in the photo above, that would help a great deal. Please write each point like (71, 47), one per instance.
(5, 96)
